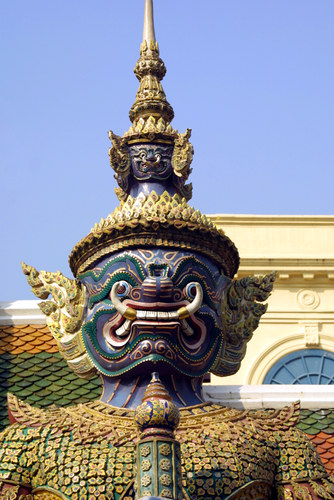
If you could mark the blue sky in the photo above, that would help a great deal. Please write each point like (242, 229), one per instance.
(253, 79)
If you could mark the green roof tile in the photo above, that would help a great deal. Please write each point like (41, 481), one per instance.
(44, 382)
(33, 378)
(52, 377)
(311, 420)
(328, 420)
(43, 379)
(43, 393)
(24, 383)
(26, 365)
(80, 381)
(23, 393)
(314, 421)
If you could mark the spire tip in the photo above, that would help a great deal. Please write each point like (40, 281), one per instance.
(148, 31)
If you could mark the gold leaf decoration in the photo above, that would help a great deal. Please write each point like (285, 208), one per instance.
(241, 312)
(64, 314)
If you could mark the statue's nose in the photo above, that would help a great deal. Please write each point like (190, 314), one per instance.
(150, 157)
(157, 288)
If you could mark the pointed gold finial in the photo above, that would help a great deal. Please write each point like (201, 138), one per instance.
(165, 413)
(151, 113)
(148, 32)
(158, 450)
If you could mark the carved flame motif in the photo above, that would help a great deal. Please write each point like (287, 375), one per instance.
(65, 314)
(241, 313)
(183, 154)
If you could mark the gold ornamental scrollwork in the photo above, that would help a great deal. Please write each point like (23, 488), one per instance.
(64, 315)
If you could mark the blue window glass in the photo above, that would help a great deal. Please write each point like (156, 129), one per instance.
(307, 366)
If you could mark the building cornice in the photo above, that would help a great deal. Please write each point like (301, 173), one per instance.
(270, 220)
(271, 396)
(299, 247)
(290, 269)
(21, 312)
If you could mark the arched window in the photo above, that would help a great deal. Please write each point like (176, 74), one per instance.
(307, 366)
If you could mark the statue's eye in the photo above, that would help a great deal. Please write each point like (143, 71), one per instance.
(123, 289)
(157, 157)
(143, 155)
(190, 290)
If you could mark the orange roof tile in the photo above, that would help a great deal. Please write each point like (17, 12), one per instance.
(324, 444)
(26, 338)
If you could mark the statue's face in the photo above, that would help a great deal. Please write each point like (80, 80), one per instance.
(138, 300)
(151, 161)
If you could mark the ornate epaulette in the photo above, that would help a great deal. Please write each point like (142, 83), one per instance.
(23, 413)
(102, 419)
(281, 419)
(210, 420)
(85, 422)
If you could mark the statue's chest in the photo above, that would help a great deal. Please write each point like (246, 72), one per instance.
(87, 470)
(212, 467)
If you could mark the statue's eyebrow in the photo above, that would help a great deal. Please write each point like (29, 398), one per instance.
(185, 264)
(96, 275)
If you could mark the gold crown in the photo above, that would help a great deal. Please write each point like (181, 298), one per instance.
(155, 221)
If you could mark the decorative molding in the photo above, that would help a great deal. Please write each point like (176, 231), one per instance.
(270, 220)
(311, 334)
(271, 396)
(308, 299)
(21, 312)
(295, 319)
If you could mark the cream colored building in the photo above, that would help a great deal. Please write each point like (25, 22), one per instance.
(300, 311)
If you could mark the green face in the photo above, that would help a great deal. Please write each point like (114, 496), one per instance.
(154, 309)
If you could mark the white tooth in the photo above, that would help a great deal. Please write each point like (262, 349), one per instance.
(187, 328)
(124, 328)
(151, 314)
(173, 315)
(162, 315)
(141, 314)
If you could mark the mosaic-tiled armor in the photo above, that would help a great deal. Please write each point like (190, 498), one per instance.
(152, 309)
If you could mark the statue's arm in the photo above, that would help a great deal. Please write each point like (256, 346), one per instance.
(301, 473)
(316, 489)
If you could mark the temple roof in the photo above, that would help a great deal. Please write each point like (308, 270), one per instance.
(32, 369)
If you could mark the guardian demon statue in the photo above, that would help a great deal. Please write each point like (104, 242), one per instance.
(152, 309)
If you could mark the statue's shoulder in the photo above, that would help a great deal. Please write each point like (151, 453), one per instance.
(217, 415)
(25, 415)
(275, 419)
(83, 422)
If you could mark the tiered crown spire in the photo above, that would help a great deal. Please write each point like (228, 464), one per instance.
(148, 31)
(152, 165)
(151, 110)
(151, 103)
(151, 116)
